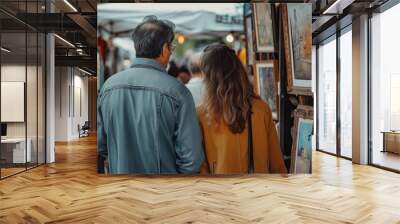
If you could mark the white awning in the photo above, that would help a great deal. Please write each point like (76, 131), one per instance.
(122, 18)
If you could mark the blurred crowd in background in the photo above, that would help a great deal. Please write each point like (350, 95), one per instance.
(197, 27)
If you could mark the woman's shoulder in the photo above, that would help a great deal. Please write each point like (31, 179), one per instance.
(200, 111)
(261, 112)
(260, 105)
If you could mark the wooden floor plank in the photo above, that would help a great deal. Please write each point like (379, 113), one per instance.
(70, 191)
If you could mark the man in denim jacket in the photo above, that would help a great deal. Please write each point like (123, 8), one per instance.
(147, 120)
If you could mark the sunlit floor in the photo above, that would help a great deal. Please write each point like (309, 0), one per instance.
(70, 191)
(8, 171)
(386, 159)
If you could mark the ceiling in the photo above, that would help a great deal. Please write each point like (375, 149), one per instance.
(75, 21)
(331, 15)
(72, 20)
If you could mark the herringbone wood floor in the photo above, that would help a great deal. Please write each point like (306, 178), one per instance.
(70, 191)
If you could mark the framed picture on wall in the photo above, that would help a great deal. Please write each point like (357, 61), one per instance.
(297, 34)
(267, 85)
(264, 27)
(302, 132)
(12, 101)
(249, 40)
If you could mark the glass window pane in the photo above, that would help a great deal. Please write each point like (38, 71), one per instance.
(327, 96)
(314, 86)
(22, 63)
(385, 89)
(41, 99)
(32, 85)
(346, 94)
(14, 152)
(31, 97)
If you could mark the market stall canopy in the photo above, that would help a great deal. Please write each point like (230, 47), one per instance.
(199, 24)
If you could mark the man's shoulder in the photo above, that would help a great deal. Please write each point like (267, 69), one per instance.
(136, 76)
(117, 77)
(151, 78)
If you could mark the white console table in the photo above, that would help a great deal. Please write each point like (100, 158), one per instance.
(17, 147)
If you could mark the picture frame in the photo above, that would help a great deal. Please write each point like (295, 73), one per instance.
(302, 131)
(248, 24)
(250, 73)
(297, 35)
(266, 83)
(247, 9)
(264, 22)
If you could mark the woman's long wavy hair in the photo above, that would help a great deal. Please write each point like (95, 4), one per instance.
(228, 91)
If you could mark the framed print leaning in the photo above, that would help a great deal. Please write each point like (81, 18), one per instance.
(249, 40)
(297, 33)
(302, 133)
(263, 17)
(267, 85)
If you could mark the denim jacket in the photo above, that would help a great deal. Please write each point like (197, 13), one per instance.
(147, 122)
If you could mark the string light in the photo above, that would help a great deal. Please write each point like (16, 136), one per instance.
(229, 38)
(5, 50)
(70, 5)
(65, 41)
(181, 39)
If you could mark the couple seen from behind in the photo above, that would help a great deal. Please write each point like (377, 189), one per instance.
(148, 122)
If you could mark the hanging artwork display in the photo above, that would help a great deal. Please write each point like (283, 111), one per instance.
(297, 27)
(249, 39)
(266, 84)
(302, 133)
(263, 18)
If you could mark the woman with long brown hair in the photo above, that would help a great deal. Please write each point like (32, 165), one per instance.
(239, 135)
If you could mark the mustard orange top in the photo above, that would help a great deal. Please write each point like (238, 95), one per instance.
(227, 153)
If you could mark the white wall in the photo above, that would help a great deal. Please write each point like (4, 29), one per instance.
(10, 73)
(69, 82)
(13, 100)
(33, 127)
(61, 103)
(50, 93)
(79, 117)
(16, 72)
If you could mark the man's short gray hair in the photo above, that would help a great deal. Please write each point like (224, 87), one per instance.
(150, 36)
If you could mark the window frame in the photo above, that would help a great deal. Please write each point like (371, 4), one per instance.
(381, 9)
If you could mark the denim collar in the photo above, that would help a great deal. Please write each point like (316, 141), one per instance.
(147, 62)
